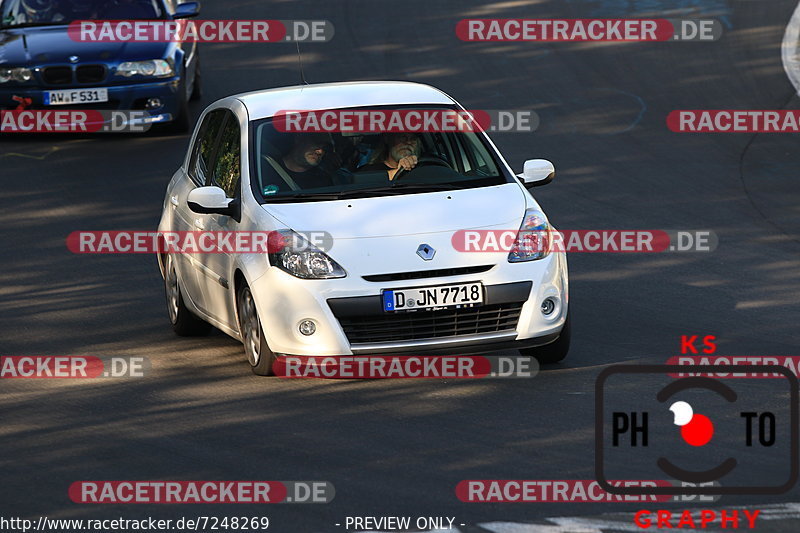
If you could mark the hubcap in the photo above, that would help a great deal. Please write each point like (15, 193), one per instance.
(251, 330)
(171, 283)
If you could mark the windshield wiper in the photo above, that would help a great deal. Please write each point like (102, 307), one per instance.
(302, 196)
(400, 188)
(32, 24)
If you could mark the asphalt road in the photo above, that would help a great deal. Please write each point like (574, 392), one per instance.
(401, 446)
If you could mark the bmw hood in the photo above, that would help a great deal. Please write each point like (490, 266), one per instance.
(52, 44)
(408, 214)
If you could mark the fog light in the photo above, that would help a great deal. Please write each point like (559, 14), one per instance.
(307, 327)
(548, 306)
(153, 103)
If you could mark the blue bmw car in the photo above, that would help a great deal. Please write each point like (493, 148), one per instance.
(41, 66)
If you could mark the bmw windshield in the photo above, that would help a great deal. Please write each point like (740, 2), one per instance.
(314, 166)
(23, 13)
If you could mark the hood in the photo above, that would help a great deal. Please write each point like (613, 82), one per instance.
(408, 214)
(52, 44)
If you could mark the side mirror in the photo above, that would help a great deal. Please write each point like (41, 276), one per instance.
(212, 201)
(187, 10)
(537, 172)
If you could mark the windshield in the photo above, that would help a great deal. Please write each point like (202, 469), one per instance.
(328, 166)
(18, 13)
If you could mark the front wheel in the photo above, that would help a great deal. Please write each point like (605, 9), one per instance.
(258, 353)
(555, 351)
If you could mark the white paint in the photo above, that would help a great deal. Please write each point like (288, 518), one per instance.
(790, 53)
(683, 413)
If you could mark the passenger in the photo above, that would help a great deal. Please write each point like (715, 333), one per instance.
(302, 162)
(395, 151)
(129, 9)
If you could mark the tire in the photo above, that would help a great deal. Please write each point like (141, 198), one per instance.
(256, 350)
(184, 322)
(182, 122)
(557, 350)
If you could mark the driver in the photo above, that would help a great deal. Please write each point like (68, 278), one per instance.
(40, 11)
(395, 151)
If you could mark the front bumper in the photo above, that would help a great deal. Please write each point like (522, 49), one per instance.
(131, 97)
(350, 319)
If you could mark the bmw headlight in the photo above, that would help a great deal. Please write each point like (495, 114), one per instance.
(20, 74)
(533, 238)
(158, 68)
(294, 254)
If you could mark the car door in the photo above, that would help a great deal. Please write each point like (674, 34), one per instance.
(225, 174)
(190, 265)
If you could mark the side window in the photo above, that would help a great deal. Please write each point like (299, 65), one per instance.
(226, 166)
(203, 150)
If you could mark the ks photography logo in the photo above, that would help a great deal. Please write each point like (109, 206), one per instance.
(733, 437)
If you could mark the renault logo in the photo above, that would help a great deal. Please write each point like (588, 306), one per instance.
(426, 251)
(74, 59)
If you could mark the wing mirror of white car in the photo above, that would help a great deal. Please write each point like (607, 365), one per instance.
(537, 172)
(187, 10)
(212, 201)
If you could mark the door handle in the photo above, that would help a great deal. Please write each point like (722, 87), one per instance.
(173, 200)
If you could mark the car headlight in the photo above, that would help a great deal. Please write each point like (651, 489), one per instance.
(533, 238)
(20, 74)
(294, 254)
(153, 67)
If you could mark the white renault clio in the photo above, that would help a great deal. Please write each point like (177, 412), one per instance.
(386, 278)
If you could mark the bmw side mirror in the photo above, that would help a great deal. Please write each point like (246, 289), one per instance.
(187, 10)
(212, 201)
(537, 172)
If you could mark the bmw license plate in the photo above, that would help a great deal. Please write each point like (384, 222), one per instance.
(428, 298)
(75, 96)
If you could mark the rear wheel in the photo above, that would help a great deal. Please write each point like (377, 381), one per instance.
(184, 322)
(555, 351)
(258, 353)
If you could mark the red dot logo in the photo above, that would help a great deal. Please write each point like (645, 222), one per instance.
(696, 429)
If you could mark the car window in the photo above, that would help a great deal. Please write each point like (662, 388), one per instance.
(43, 12)
(304, 164)
(204, 145)
(227, 163)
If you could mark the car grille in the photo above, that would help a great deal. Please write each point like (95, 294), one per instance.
(90, 73)
(431, 324)
(442, 272)
(57, 75)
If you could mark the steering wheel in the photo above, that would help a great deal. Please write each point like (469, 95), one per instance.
(424, 160)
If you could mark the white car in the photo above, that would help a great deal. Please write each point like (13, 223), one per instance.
(387, 278)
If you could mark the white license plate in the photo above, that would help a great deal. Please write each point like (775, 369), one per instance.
(464, 294)
(75, 96)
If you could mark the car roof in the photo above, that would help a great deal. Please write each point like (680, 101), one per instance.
(263, 104)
